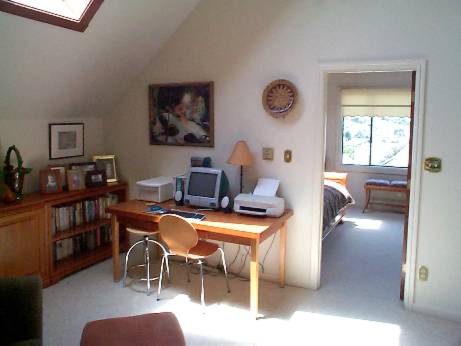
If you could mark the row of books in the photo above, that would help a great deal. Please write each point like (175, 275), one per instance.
(76, 214)
(82, 243)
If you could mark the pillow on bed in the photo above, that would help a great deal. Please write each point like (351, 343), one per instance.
(340, 188)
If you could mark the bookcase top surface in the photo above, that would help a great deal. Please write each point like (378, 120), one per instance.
(37, 199)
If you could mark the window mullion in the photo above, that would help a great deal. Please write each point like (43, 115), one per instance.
(371, 139)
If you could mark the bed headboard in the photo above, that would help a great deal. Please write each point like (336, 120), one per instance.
(340, 178)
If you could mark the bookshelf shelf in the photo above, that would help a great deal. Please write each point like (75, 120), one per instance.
(80, 229)
(73, 263)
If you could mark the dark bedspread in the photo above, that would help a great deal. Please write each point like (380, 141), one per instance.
(335, 197)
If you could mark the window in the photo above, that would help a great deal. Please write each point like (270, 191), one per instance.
(376, 127)
(70, 14)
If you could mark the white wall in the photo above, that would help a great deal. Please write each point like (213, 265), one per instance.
(357, 177)
(48, 71)
(31, 138)
(243, 45)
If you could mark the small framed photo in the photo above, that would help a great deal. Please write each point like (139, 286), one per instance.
(75, 179)
(83, 166)
(62, 172)
(96, 178)
(50, 181)
(66, 140)
(107, 163)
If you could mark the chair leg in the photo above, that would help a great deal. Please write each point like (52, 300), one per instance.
(160, 278)
(225, 269)
(202, 292)
(126, 260)
(147, 261)
(188, 270)
(167, 269)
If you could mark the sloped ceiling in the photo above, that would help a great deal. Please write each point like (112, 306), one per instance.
(48, 71)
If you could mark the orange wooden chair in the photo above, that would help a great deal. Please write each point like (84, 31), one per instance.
(182, 240)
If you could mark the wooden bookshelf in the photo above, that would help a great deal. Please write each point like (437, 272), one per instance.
(27, 244)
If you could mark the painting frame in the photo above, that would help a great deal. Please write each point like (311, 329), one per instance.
(75, 179)
(66, 140)
(111, 171)
(95, 178)
(181, 114)
(50, 181)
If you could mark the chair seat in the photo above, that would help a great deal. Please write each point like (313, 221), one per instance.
(399, 183)
(378, 182)
(149, 329)
(201, 250)
(140, 232)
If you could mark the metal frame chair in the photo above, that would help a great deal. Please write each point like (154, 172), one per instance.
(146, 263)
(182, 240)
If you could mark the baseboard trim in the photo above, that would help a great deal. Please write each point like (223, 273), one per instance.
(445, 314)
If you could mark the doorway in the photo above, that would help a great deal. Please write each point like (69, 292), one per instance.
(417, 71)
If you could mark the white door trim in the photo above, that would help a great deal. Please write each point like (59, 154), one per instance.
(416, 169)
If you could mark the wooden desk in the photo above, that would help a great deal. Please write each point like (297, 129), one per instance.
(231, 228)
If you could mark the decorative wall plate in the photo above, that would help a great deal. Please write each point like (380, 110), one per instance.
(279, 98)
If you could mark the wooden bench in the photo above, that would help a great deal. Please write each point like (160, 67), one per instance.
(386, 185)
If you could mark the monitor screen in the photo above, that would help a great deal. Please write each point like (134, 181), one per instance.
(202, 184)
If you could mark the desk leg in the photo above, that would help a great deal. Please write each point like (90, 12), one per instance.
(254, 277)
(115, 248)
(282, 254)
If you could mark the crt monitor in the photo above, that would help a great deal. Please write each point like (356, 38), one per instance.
(204, 187)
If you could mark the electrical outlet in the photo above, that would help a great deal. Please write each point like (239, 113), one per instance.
(268, 154)
(423, 273)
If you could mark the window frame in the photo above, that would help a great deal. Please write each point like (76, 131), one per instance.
(12, 7)
(362, 168)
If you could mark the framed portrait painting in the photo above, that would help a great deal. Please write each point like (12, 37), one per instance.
(181, 114)
(66, 140)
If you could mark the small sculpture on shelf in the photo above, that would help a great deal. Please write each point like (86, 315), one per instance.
(14, 176)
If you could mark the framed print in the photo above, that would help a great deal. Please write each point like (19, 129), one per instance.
(181, 114)
(66, 140)
(50, 181)
(62, 173)
(107, 164)
(75, 179)
(95, 178)
(83, 166)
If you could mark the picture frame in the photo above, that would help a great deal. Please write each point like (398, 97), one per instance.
(83, 166)
(50, 181)
(181, 114)
(62, 172)
(95, 178)
(107, 164)
(66, 140)
(75, 179)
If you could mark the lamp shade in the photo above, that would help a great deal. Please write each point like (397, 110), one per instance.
(241, 155)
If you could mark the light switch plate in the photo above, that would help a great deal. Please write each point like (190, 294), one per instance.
(288, 155)
(268, 154)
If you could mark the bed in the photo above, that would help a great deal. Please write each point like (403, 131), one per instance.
(336, 199)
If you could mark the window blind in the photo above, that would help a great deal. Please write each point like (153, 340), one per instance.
(375, 102)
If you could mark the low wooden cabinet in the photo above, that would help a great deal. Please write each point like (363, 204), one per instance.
(23, 244)
(27, 239)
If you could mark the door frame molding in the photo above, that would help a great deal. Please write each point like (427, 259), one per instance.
(418, 65)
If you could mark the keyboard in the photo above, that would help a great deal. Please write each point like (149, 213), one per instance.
(187, 214)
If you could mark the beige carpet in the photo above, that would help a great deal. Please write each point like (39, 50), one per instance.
(357, 305)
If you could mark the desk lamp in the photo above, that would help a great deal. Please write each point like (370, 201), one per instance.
(241, 156)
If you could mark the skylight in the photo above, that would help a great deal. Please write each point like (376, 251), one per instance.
(71, 14)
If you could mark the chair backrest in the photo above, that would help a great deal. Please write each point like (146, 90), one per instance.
(178, 234)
